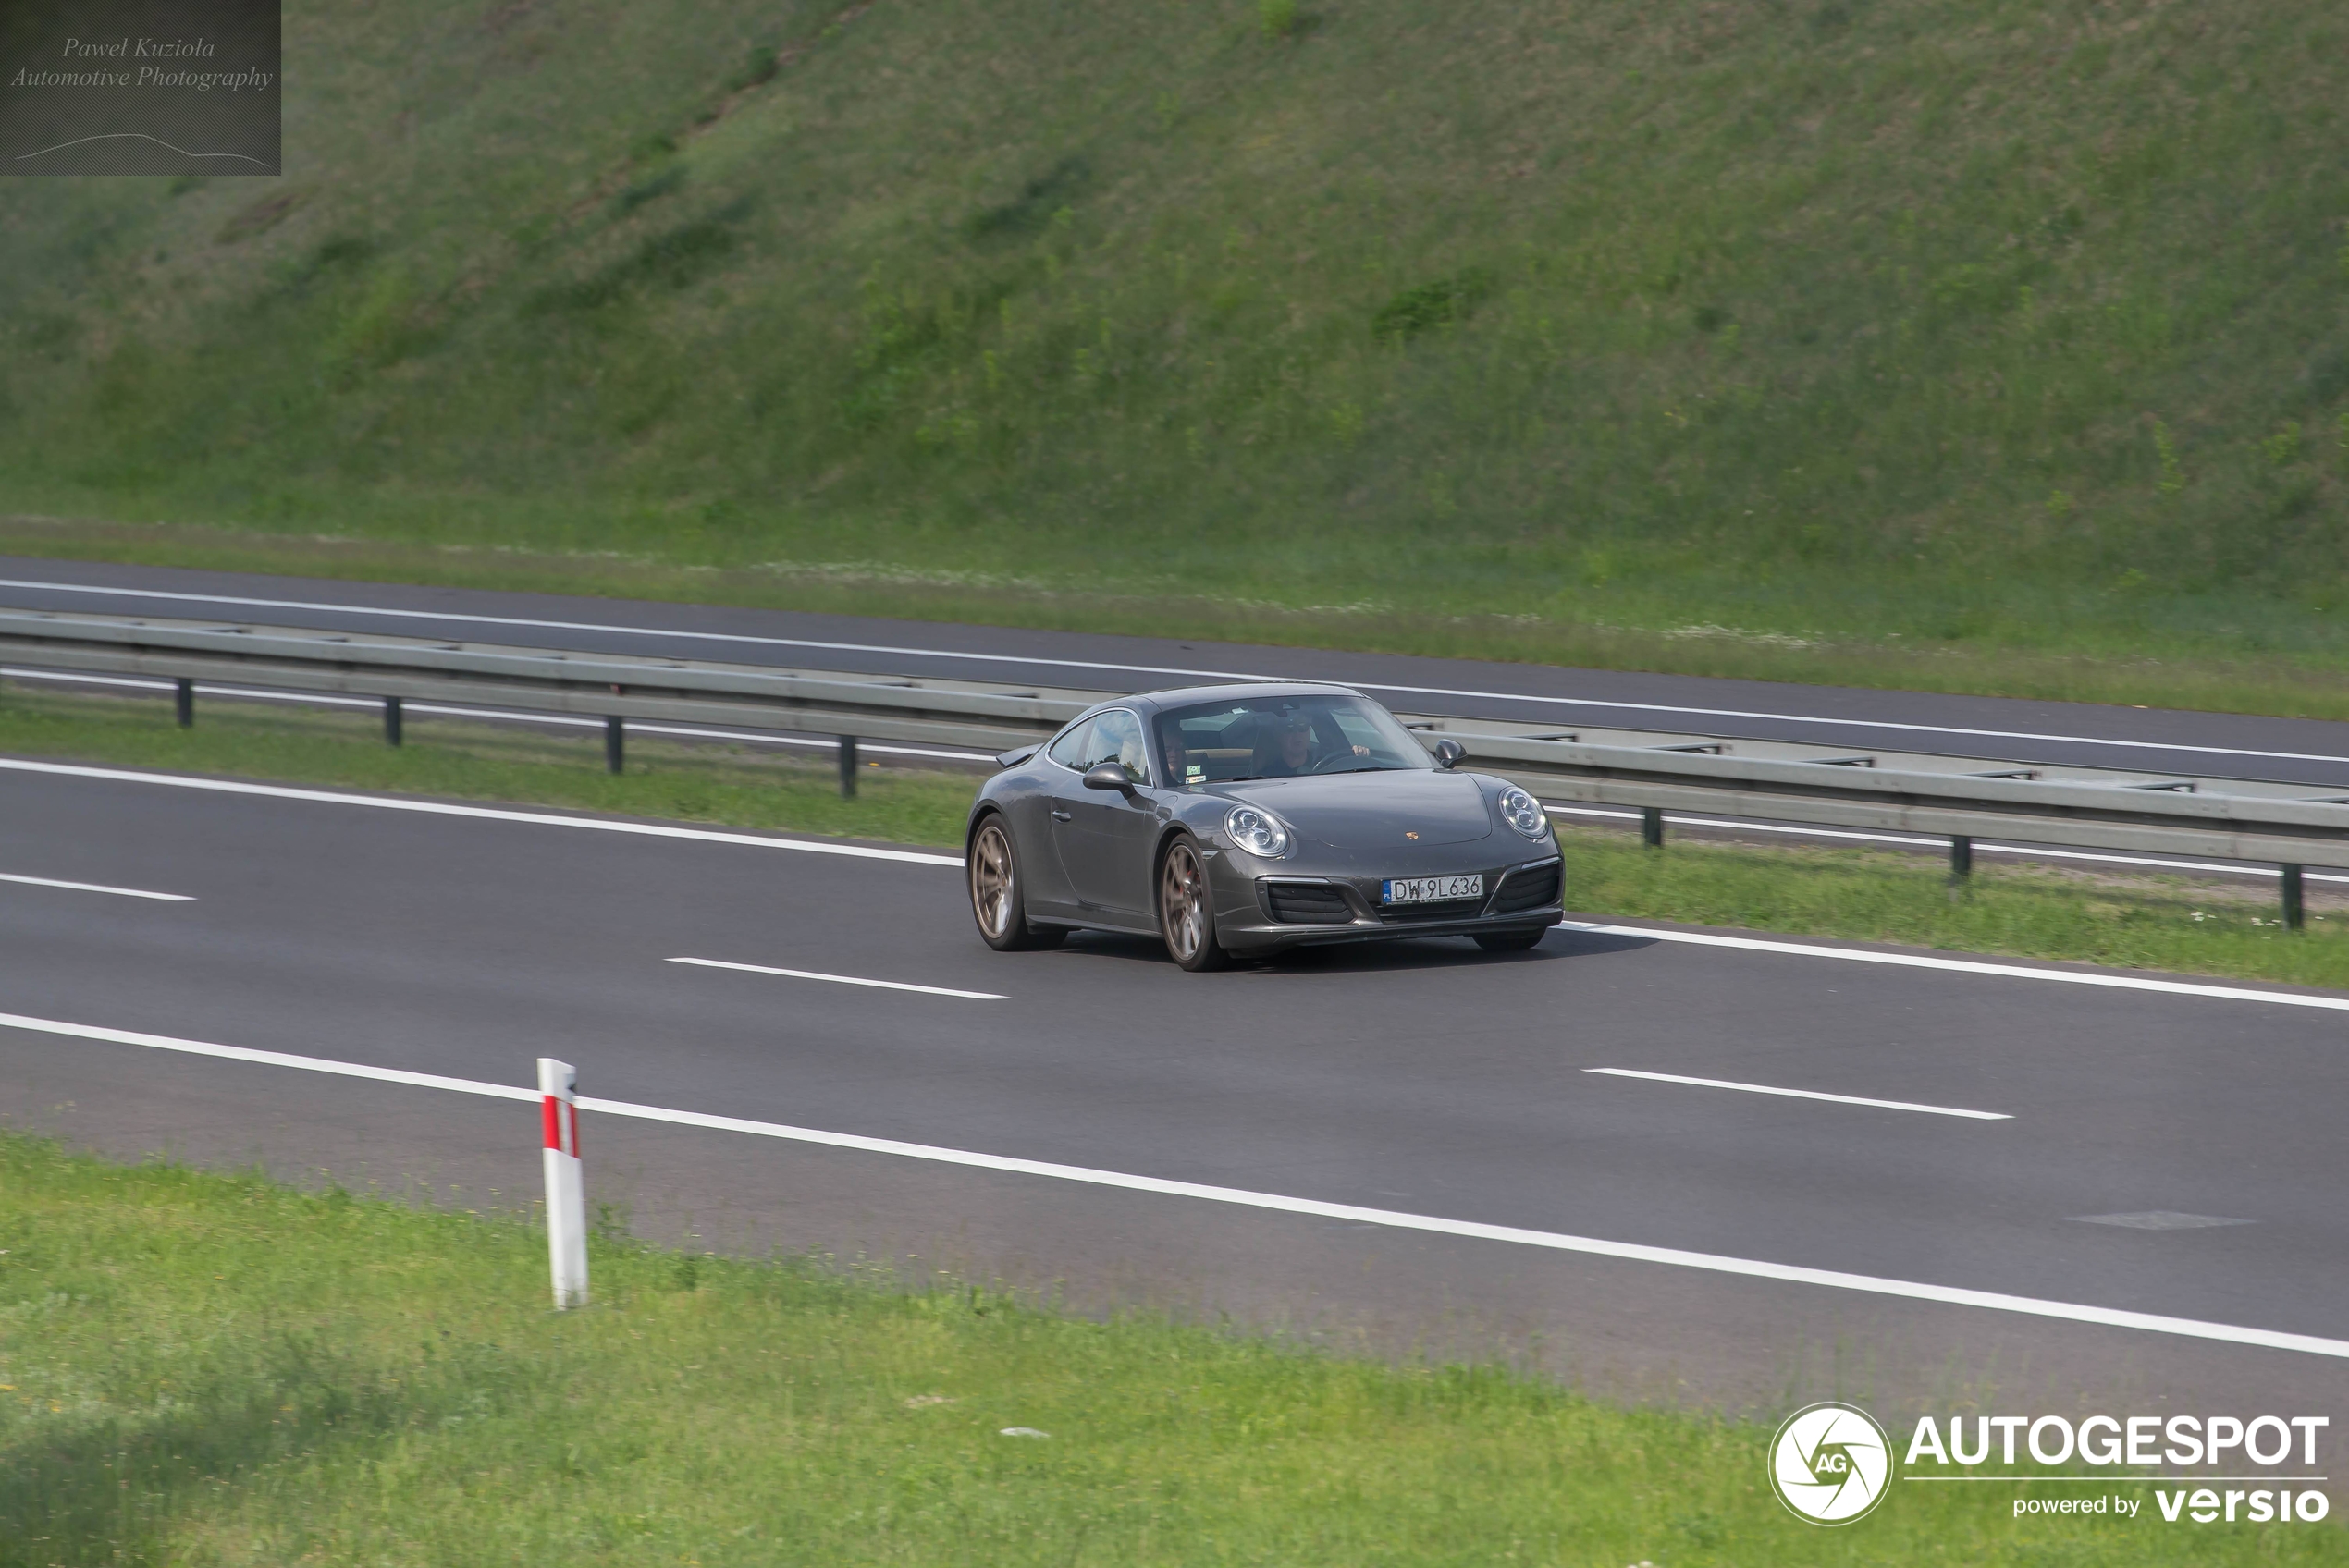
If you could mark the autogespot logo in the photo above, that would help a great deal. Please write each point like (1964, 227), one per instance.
(1831, 1463)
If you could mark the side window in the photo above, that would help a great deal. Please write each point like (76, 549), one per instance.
(1117, 737)
(1069, 751)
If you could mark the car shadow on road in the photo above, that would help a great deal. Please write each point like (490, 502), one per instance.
(1403, 954)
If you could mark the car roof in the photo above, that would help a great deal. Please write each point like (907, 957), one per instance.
(1186, 696)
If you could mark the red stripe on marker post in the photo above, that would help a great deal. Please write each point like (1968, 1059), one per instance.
(560, 1124)
(566, 1183)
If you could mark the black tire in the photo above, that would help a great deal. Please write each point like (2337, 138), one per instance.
(1511, 941)
(1186, 908)
(998, 902)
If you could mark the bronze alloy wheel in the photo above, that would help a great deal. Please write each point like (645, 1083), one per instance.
(1185, 909)
(995, 886)
(998, 900)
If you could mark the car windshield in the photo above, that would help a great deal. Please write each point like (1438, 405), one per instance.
(1283, 738)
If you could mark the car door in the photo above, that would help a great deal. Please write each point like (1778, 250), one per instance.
(1036, 814)
(1104, 836)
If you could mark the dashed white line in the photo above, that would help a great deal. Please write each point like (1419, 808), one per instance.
(1802, 1094)
(844, 979)
(1966, 966)
(98, 887)
(486, 814)
(1157, 669)
(1754, 1269)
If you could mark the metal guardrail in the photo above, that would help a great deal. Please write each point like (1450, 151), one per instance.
(1957, 797)
(612, 687)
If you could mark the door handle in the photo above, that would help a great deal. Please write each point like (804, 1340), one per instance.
(1058, 816)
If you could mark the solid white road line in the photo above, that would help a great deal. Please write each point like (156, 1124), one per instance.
(1966, 966)
(488, 814)
(1157, 669)
(1980, 847)
(99, 888)
(1802, 1094)
(1829, 1279)
(263, 1058)
(845, 979)
(435, 710)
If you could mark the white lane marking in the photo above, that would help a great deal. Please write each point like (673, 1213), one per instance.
(262, 1058)
(1802, 1094)
(99, 888)
(1159, 669)
(1752, 1269)
(1980, 846)
(845, 979)
(1966, 966)
(635, 726)
(488, 814)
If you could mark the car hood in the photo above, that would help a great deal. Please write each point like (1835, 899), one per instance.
(1368, 810)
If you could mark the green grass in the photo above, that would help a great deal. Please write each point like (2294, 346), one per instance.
(2193, 925)
(208, 1369)
(1972, 343)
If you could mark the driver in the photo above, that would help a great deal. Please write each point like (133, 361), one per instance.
(1293, 751)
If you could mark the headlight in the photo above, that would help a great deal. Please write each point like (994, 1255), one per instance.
(1524, 813)
(1256, 832)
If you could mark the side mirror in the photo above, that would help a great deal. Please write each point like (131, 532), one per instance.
(1110, 776)
(1449, 752)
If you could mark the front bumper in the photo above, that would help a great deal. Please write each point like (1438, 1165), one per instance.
(1277, 909)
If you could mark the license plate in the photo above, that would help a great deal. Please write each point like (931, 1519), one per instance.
(1429, 889)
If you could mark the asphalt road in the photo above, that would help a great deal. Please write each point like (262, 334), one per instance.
(2221, 745)
(1426, 1078)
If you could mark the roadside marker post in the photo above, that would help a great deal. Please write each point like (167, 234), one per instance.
(566, 1186)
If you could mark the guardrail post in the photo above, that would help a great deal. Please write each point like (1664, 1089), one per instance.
(391, 720)
(184, 702)
(615, 745)
(1651, 826)
(566, 1186)
(2295, 912)
(1961, 855)
(847, 767)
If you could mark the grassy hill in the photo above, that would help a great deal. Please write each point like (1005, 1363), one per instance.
(1785, 337)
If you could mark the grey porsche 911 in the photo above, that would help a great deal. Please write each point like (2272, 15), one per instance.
(1242, 820)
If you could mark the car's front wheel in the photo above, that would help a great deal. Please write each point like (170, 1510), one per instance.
(1186, 908)
(998, 895)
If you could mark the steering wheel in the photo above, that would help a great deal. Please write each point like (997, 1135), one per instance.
(1323, 765)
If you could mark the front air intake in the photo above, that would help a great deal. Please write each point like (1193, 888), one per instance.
(1529, 889)
(1307, 903)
